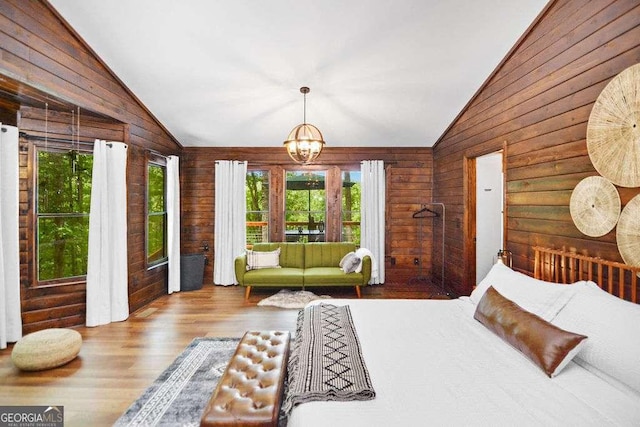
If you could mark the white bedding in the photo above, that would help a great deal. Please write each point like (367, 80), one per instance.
(431, 363)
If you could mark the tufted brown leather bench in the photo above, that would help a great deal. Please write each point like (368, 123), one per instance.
(249, 392)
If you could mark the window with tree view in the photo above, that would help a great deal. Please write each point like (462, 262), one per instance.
(305, 206)
(351, 206)
(257, 195)
(63, 186)
(156, 214)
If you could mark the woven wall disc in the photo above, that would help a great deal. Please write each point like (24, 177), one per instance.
(595, 206)
(628, 232)
(613, 131)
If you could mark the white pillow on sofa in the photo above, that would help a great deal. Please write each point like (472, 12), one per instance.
(349, 262)
(257, 259)
(544, 299)
(611, 324)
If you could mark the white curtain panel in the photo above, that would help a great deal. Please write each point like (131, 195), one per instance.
(230, 217)
(372, 207)
(10, 320)
(107, 276)
(173, 222)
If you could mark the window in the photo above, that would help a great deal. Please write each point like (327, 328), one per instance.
(257, 194)
(305, 206)
(156, 214)
(63, 187)
(351, 206)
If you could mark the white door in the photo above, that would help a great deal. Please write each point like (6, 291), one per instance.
(489, 211)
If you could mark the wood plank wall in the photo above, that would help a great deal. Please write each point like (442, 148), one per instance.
(45, 57)
(408, 186)
(537, 104)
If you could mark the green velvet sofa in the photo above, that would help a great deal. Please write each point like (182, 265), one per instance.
(303, 265)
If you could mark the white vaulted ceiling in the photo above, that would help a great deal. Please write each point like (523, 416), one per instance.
(228, 72)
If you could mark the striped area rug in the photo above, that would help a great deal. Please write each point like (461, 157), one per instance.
(180, 394)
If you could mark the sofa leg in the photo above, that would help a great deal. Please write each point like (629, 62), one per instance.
(358, 292)
(247, 291)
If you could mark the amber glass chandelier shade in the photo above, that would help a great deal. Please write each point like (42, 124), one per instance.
(304, 143)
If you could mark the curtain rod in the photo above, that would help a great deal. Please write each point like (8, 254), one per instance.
(67, 141)
(42, 138)
(157, 153)
(337, 162)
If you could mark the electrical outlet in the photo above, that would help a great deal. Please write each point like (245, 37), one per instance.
(416, 261)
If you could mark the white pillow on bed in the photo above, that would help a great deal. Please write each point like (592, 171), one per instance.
(611, 324)
(544, 299)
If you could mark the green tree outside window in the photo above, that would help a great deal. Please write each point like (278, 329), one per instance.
(351, 190)
(63, 187)
(257, 197)
(156, 214)
(305, 206)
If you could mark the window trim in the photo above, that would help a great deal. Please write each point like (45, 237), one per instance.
(268, 173)
(161, 161)
(342, 171)
(313, 170)
(333, 187)
(35, 147)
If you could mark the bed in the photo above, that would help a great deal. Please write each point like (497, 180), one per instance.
(432, 363)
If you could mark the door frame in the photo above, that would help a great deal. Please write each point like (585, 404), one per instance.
(470, 204)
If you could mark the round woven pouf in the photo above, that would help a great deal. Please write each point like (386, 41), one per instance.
(46, 349)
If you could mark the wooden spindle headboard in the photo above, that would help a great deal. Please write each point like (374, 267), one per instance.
(554, 265)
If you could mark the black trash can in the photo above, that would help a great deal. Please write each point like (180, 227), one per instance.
(191, 272)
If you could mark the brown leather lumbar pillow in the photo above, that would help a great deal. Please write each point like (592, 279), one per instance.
(546, 345)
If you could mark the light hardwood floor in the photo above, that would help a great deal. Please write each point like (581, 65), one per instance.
(119, 361)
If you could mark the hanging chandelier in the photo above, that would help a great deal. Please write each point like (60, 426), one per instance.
(304, 143)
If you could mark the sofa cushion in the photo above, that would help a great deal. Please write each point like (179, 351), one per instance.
(291, 254)
(274, 276)
(326, 254)
(330, 276)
